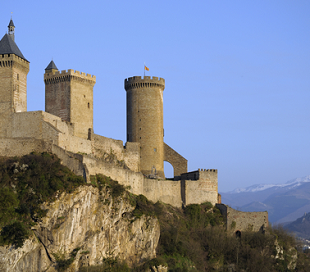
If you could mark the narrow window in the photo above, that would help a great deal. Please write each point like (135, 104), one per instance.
(155, 150)
(88, 105)
(17, 76)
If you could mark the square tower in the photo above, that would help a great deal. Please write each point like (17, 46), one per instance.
(69, 95)
(13, 79)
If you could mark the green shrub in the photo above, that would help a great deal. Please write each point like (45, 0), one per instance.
(8, 205)
(27, 182)
(15, 234)
(106, 182)
(63, 263)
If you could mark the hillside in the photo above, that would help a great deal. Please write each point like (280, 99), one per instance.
(52, 221)
(284, 202)
(301, 226)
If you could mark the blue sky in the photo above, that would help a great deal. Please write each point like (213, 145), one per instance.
(237, 74)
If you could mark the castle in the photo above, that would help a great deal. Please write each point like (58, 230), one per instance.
(65, 128)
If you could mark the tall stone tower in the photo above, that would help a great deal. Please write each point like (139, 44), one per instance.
(13, 78)
(145, 121)
(69, 95)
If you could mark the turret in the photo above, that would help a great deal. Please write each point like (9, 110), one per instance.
(11, 30)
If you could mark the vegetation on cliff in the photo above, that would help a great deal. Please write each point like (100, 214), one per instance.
(191, 239)
(25, 183)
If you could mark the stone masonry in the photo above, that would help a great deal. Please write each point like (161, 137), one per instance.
(237, 221)
(145, 126)
(69, 95)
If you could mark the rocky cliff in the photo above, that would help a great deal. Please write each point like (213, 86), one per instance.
(80, 229)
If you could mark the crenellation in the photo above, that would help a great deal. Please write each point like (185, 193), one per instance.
(69, 72)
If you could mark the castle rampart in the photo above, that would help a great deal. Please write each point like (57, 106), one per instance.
(237, 221)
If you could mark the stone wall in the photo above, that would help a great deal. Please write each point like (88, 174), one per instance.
(200, 186)
(243, 221)
(178, 162)
(20, 146)
(167, 191)
(113, 150)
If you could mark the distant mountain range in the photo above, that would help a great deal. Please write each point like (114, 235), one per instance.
(301, 226)
(284, 202)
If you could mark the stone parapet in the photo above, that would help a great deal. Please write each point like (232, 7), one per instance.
(65, 75)
(139, 82)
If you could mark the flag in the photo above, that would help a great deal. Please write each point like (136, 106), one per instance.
(145, 68)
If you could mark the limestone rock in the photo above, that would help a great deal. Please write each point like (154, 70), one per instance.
(90, 222)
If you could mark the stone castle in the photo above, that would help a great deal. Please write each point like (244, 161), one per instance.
(65, 128)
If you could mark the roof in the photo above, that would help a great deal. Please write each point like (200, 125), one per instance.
(11, 23)
(8, 46)
(51, 66)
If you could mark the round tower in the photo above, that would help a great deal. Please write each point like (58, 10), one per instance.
(145, 121)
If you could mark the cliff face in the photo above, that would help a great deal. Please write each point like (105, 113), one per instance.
(82, 228)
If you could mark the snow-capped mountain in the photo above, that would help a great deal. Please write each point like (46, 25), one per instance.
(260, 187)
(284, 202)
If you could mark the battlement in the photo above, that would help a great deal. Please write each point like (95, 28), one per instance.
(139, 82)
(200, 174)
(6, 60)
(207, 170)
(66, 74)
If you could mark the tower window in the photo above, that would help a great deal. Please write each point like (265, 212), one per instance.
(17, 76)
(88, 105)
(155, 150)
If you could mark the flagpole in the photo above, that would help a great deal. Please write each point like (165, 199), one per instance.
(144, 70)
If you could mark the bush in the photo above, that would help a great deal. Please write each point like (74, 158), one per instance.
(25, 183)
(8, 204)
(14, 234)
(106, 182)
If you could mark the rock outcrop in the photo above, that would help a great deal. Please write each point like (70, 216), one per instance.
(84, 227)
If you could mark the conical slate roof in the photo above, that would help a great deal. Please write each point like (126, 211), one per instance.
(11, 23)
(51, 66)
(8, 46)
